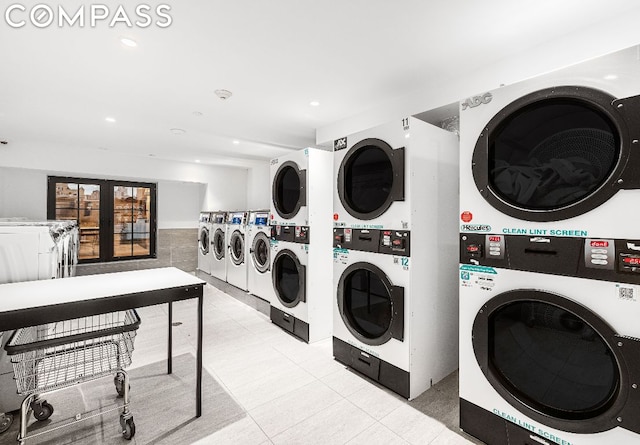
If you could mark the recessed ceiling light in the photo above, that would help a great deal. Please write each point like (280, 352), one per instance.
(314, 103)
(110, 119)
(198, 161)
(611, 77)
(407, 136)
(128, 42)
(236, 142)
(178, 131)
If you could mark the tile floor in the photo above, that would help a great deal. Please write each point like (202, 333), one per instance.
(291, 392)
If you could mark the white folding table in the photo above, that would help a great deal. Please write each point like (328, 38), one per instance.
(34, 303)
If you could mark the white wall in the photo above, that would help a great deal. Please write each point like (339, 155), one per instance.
(183, 189)
(259, 188)
(573, 48)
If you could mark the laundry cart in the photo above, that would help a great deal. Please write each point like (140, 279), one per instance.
(59, 355)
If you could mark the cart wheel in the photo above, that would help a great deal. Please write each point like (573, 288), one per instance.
(42, 410)
(118, 381)
(5, 422)
(129, 429)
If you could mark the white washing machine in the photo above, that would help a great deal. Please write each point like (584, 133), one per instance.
(550, 357)
(292, 178)
(236, 259)
(301, 283)
(395, 262)
(258, 255)
(218, 245)
(557, 155)
(204, 243)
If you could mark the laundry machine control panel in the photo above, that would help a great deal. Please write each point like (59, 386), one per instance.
(293, 234)
(594, 258)
(391, 242)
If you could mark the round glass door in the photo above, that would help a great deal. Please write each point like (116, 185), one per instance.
(371, 178)
(261, 252)
(218, 244)
(204, 240)
(236, 246)
(370, 306)
(551, 155)
(551, 358)
(289, 190)
(288, 278)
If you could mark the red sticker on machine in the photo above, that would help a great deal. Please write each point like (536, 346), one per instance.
(335, 216)
(466, 216)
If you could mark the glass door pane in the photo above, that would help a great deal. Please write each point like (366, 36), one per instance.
(89, 220)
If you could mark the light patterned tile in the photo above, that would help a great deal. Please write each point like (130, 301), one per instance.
(242, 432)
(412, 425)
(334, 425)
(377, 434)
(376, 401)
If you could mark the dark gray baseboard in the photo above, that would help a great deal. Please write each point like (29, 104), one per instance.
(243, 296)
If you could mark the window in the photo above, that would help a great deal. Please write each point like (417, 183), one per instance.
(117, 219)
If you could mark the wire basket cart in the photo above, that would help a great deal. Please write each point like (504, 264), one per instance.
(59, 355)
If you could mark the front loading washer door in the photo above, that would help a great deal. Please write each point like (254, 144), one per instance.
(558, 153)
(236, 247)
(370, 306)
(289, 278)
(555, 361)
(261, 252)
(371, 178)
(218, 244)
(289, 190)
(204, 240)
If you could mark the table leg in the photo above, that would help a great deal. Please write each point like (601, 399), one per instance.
(199, 360)
(170, 346)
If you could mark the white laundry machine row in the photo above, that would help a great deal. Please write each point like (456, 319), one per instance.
(299, 192)
(302, 281)
(236, 260)
(382, 175)
(258, 255)
(205, 251)
(549, 339)
(557, 155)
(219, 245)
(37, 250)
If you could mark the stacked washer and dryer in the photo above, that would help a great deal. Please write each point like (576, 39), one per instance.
(550, 258)
(300, 249)
(258, 255)
(236, 261)
(395, 291)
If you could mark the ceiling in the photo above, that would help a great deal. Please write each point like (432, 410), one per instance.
(61, 84)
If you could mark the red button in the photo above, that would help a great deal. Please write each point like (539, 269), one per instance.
(466, 216)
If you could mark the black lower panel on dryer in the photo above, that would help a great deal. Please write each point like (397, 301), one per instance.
(382, 372)
(494, 430)
(290, 323)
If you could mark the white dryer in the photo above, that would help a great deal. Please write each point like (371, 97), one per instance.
(550, 357)
(204, 243)
(557, 155)
(236, 258)
(258, 255)
(374, 187)
(301, 282)
(218, 238)
(297, 183)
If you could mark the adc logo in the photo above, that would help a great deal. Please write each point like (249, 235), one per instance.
(474, 101)
(340, 144)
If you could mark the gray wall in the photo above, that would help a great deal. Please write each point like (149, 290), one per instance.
(176, 247)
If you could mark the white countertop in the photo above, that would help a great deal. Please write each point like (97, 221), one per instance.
(31, 294)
